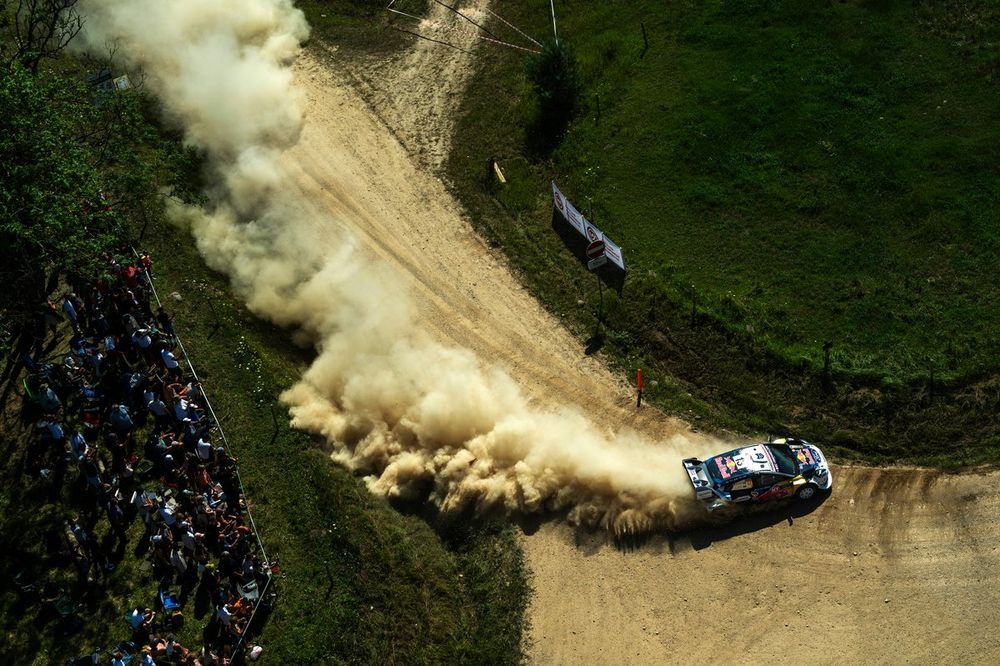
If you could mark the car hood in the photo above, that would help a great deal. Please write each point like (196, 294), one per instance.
(811, 459)
(807, 456)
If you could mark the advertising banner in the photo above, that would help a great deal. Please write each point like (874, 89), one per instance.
(585, 227)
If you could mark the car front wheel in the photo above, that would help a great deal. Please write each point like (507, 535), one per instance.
(806, 492)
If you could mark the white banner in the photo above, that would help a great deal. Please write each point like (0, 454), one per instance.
(585, 227)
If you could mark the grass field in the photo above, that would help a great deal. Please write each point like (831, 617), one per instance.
(805, 171)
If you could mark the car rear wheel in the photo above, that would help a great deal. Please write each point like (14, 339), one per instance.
(806, 492)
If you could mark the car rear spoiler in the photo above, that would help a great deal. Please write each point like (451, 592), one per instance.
(699, 478)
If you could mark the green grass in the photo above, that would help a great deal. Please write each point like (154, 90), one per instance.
(810, 171)
(363, 27)
(830, 170)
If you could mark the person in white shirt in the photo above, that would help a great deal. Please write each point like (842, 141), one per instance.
(204, 448)
(170, 363)
(181, 409)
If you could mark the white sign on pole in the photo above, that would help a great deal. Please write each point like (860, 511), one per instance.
(594, 264)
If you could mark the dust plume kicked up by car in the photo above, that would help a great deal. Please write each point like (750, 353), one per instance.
(397, 407)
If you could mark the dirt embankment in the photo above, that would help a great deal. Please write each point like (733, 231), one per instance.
(898, 566)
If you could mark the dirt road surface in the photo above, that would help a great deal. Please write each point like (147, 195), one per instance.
(897, 566)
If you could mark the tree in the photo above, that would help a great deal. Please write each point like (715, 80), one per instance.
(51, 208)
(41, 29)
(559, 89)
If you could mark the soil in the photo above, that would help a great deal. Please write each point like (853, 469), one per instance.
(896, 566)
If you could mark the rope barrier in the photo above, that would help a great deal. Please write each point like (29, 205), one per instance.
(438, 26)
(253, 615)
(467, 18)
(436, 41)
(514, 27)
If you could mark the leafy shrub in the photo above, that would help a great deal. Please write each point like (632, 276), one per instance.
(555, 76)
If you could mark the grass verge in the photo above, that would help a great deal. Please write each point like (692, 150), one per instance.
(779, 174)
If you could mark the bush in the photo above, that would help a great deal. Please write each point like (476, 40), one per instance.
(559, 89)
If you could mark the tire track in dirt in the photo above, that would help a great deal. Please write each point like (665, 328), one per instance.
(895, 567)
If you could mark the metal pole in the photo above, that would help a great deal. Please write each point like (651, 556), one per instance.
(600, 306)
(552, 7)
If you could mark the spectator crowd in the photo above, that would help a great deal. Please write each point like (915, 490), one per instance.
(119, 417)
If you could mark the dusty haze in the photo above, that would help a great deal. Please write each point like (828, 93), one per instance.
(407, 412)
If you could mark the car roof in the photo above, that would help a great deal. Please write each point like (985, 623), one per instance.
(742, 462)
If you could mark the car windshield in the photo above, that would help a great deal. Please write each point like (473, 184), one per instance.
(784, 458)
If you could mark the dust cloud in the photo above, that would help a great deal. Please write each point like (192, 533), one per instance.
(418, 419)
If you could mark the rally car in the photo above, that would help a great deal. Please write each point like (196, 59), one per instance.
(776, 469)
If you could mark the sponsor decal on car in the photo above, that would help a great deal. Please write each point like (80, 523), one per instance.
(805, 456)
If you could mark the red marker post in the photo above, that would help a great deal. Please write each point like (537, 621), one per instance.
(638, 383)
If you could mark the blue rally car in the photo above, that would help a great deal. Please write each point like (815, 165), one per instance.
(773, 470)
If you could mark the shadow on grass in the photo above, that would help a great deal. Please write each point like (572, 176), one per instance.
(594, 344)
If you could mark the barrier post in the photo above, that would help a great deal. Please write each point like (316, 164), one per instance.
(638, 383)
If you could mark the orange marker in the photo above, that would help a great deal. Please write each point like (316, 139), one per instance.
(638, 383)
